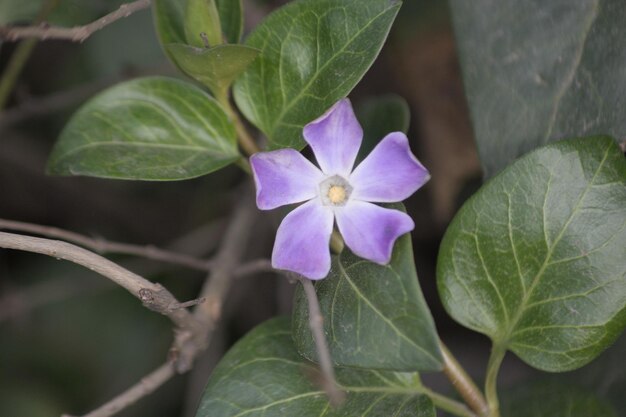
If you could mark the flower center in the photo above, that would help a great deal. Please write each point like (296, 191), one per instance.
(337, 194)
(335, 191)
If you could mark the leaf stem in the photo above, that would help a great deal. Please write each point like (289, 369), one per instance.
(246, 142)
(495, 360)
(463, 383)
(447, 404)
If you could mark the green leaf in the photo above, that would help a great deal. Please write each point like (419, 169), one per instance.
(231, 18)
(378, 117)
(263, 376)
(313, 52)
(215, 67)
(169, 16)
(149, 129)
(553, 399)
(539, 71)
(534, 260)
(375, 315)
(201, 16)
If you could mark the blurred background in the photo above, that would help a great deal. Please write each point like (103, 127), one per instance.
(70, 340)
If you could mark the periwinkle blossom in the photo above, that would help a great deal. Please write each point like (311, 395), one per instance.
(336, 192)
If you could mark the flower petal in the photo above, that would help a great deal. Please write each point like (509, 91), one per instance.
(370, 231)
(390, 173)
(335, 138)
(283, 177)
(302, 241)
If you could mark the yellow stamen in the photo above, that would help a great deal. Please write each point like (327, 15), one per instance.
(337, 194)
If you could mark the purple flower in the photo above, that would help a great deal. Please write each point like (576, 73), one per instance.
(336, 192)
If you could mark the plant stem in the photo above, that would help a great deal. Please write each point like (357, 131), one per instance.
(246, 142)
(447, 404)
(462, 382)
(20, 57)
(495, 360)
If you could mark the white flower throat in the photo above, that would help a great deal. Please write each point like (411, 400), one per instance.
(335, 191)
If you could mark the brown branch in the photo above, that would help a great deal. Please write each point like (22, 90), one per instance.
(228, 257)
(103, 246)
(152, 295)
(463, 383)
(189, 345)
(316, 323)
(254, 267)
(146, 386)
(74, 34)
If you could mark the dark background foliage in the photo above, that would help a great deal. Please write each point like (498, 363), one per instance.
(68, 339)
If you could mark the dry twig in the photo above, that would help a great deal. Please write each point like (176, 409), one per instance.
(154, 296)
(316, 322)
(189, 345)
(103, 246)
(74, 34)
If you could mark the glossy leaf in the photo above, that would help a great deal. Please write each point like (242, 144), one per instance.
(537, 71)
(313, 52)
(263, 376)
(374, 316)
(378, 117)
(148, 129)
(215, 67)
(534, 260)
(553, 399)
(231, 18)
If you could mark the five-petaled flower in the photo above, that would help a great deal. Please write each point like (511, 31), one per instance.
(390, 173)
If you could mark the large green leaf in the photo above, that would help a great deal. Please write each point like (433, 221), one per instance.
(231, 18)
(263, 376)
(553, 399)
(215, 67)
(536, 71)
(313, 52)
(148, 129)
(374, 316)
(535, 260)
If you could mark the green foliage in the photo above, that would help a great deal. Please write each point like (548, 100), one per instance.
(216, 67)
(169, 17)
(550, 399)
(231, 18)
(537, 71)
(378, 117)
(201, 17)
(313, 52)
(534, 259)
(147, 129)
(263, 375)
(374, 315)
